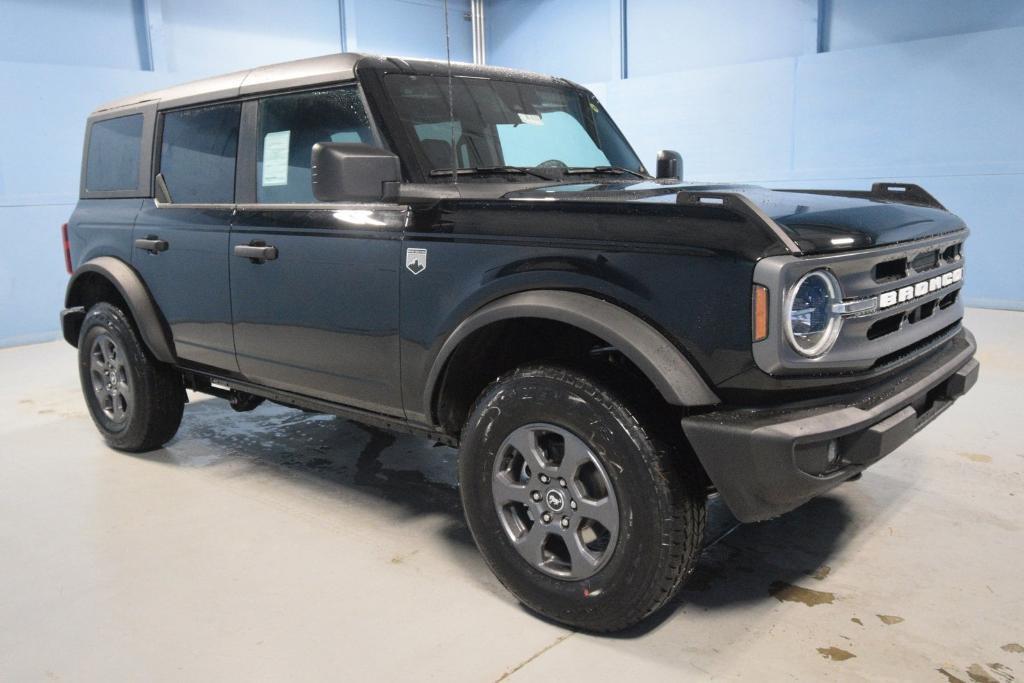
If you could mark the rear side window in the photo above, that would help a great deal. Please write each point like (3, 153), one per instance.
(197, 154)
(113, 156)
(289, 127)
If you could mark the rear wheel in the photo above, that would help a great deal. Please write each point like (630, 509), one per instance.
(135, 401)
(582, 513)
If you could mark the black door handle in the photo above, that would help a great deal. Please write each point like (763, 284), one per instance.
(256, 252)
(152, 244)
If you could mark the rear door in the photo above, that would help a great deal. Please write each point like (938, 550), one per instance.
(181, 245)
(319, 315)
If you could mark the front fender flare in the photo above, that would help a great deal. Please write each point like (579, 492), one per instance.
(657, 358)
(150, 323)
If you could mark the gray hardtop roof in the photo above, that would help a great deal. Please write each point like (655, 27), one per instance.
(305, 72)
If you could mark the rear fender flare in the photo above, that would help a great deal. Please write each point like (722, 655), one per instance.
(144, 311)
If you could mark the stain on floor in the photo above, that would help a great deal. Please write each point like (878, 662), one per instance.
(950, 678)
(975, 457)
(821, 572)
(400, 559)
(787, 592)
(836, 654)
(1013, 647)
(993, 673)
(889, 619)
(857, 621)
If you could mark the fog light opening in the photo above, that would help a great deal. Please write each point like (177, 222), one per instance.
(832, 454)
(820, 458)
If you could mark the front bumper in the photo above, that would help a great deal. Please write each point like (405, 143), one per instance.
(765, 462)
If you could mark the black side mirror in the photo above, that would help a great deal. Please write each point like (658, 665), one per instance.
(354, 172)
(669, 164)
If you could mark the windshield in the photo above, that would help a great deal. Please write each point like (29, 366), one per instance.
(506, 126)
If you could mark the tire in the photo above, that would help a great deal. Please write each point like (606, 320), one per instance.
(135, 401)
(624, 574)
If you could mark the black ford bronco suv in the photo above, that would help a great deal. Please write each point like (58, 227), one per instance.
(478, 255)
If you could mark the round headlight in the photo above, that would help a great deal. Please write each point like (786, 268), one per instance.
(811, 325)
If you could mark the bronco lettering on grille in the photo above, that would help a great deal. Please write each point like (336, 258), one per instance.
(910, 292)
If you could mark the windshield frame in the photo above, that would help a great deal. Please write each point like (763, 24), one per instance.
(399, 138)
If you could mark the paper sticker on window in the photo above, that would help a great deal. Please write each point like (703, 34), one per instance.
(532, 119)
(275, 158)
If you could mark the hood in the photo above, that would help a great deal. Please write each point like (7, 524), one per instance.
(816, 222)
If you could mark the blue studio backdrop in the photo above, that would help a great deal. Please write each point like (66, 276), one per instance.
(798, 93)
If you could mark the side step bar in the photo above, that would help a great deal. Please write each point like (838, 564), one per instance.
(222, 387)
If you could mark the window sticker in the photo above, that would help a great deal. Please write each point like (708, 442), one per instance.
(531, 119)
(275, 158)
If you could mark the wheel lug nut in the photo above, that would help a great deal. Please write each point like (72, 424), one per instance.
(544, 478)
(572, 504)
(546, 517)
(562, 482)
(535, 495)
(565, 522)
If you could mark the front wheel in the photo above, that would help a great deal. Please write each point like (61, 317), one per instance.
(135, 400)
(580, 512)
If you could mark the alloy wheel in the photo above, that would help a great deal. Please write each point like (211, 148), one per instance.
(555, 501)
(108, 369)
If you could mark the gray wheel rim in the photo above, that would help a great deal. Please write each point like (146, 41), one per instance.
(555, 501)
(108, 369)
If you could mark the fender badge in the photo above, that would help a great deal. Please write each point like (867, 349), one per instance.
(416, 260)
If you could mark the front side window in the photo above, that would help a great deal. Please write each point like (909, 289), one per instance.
(289, 127)
(491, 124)
(197, 154)
(113, 156)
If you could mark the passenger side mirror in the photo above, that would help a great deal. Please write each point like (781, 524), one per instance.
(354, 172)
(669, 164)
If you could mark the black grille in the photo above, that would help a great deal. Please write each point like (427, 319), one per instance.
(885, 326)
(925, 261)
(899, 326)
(953, 252)
(949, 299)
(919, 345)
(887, 271)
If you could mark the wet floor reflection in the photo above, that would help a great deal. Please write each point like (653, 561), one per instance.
(742, 563)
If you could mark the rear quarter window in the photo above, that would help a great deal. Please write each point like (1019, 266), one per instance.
(197, 154)
(112, 162)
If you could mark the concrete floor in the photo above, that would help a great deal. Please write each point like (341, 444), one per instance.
(277, 545)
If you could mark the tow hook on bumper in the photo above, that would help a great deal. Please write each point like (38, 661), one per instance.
(765, 462)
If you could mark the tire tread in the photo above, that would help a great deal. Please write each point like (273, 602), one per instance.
(672, 472)
(161, 396)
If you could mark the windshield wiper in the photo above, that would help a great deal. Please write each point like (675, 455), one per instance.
(616, 170)
(484, 170)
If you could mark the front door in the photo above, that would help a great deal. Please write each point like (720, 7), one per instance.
(314, 287)
(181, 245)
